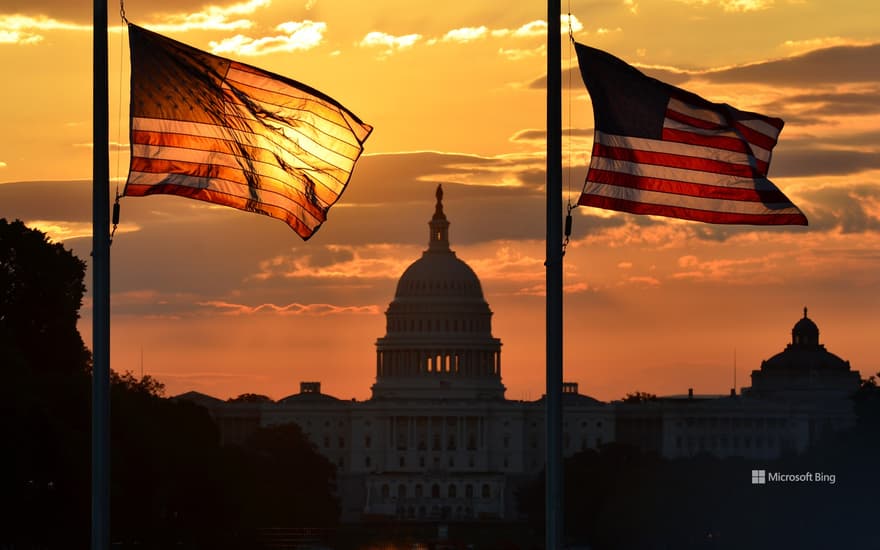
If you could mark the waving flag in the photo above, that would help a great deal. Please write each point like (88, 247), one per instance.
(665, 151)
(224, 132)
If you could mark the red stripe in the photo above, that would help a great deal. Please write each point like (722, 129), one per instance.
(213, 171)
(687, 188)
(718, 142)
(224, 199)
(753, 136)
(670, 160)
(690, 213)
(692, 121)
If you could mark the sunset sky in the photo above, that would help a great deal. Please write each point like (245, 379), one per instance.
(225, 302)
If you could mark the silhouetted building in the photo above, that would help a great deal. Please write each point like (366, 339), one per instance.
(439, 440)
(797, 397)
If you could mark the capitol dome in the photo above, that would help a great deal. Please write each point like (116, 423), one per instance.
(438, 341)
(805, 353)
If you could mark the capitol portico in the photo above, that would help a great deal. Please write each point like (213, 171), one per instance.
(439, 440)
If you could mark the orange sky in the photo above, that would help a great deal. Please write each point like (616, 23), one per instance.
(226, 302)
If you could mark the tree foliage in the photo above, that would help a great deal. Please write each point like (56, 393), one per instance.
(172, 483)
(41, 291)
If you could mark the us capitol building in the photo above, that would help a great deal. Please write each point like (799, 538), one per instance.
(439, 440)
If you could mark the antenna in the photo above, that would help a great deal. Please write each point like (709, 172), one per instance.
(142, 362)
(734, 371)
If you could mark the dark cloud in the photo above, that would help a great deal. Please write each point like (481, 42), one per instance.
(832, 65)
(813, 107)
(81, 12)
(843, 209)
(799, 158)
(541, 135)
(571, 78)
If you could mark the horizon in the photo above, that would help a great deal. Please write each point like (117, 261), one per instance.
(225, 303)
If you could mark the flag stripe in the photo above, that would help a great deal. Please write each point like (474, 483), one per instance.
(324, 188)
(195, 157)
(717, 140)
(274, 143)
(744, 192)
(661, 150)
(683, 149)
(685, 213)
(689, 162)
(328, 175)
(678, 174)
(755, 137)
(221, 180)
(695, 202)
(283, 107)
(221, 131)
(214, 196)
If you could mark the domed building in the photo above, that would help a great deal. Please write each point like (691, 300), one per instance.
(805, 370)
(439, 341)
(438, 439)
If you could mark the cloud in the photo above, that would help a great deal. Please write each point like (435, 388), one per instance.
(817, 105)
(538, 28)
(740, 271)
(224, 18)
(61, 230)
(297, 35)
(848, 210)
(337, 262)
(391, 43)
(733, 6)
(228, 308)
(114, 146)
(834, 65)
(803, 158)
(465, 34)
(539, 136)
(25, 29)
(804, 46)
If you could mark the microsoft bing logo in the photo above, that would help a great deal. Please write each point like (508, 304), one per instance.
(759, 477)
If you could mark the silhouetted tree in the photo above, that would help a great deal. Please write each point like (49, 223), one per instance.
(250, 398)
(41, 290)
(289, 483)
(639, 397)
(44, 397)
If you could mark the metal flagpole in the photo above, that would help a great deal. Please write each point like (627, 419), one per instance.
(100, 282)
(553, 494)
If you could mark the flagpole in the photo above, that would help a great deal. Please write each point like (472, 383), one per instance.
(100, 282)
(553, 492)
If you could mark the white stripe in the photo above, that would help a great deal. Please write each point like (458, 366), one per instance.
(678, 174)
(707, 115)
(674, 148)
(227, 187)
(272, 176)
(294, 103)
(760, 152)
(684, 201)
(298, 136)
(331, 176)
(761, 127)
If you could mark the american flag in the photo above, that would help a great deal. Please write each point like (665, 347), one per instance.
(220, 131)
(664, 151)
